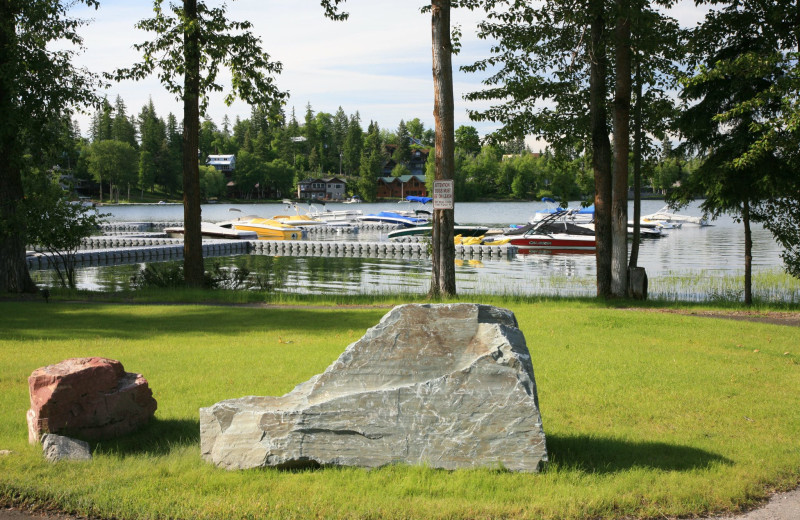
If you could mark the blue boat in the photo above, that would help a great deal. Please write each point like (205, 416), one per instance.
(418, 217)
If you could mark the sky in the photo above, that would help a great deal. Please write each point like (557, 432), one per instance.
(378, 62)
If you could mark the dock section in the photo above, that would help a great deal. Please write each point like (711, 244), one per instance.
(134, 242)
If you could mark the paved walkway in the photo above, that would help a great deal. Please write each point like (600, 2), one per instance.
(781, 506)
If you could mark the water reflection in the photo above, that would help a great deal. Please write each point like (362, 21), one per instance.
(545, 275)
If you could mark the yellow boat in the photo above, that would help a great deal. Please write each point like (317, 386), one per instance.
(471, 241)
(297, 220)
(265, 228)
(481, 240)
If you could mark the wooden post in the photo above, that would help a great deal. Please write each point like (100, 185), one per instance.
(637, 283)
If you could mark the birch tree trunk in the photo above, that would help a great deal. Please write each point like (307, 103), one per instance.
(443, 271)
(622, 117)
(601, 147)
(193, 241)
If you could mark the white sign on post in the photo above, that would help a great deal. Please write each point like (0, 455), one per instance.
(443, 194)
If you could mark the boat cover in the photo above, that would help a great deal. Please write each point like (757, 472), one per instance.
(422, 200)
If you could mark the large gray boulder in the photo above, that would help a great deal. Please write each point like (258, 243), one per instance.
(449, 386)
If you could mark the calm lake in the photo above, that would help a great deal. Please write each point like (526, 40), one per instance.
(691, 263)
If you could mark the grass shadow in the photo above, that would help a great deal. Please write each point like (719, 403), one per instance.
(82, 321)
(159, 437)
(607, 455)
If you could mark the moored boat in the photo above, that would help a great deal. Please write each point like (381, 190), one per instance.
(297, 220)
(210, 230)
(405, 218)
(301, 220)
(666, 215)
(576, 216)
(585, 217)
(552, 234)
(339, 217)
(265, 228)
(466, 231)
(393, 217)
(420, 211)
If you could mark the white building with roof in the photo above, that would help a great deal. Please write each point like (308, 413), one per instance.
(223, 163)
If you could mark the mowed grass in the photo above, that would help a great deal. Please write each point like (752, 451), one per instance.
(647, 415)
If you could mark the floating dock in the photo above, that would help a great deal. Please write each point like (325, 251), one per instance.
(122, 249)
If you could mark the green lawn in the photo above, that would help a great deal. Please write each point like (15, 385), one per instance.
(646, 414)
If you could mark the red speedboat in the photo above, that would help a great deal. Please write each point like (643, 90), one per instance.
(554, 234)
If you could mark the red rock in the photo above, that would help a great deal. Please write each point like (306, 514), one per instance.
(89, 398)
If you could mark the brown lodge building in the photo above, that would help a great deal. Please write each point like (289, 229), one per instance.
(401, 187)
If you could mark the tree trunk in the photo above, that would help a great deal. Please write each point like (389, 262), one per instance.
(14, 275)
(192, 238)
(637, 167)
(748, 254)
(601, 148)
(622, 119)
(443, 270)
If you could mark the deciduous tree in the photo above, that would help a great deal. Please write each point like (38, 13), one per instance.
(555, 51)
(468, 140)
(733, 105)
(58, 226)
(769, 32)
(193, 42)
(561, 52)
(38, 85)
(113, 162)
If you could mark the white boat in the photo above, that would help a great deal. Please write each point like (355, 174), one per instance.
(393, 217)
(426, 231)
(576, 216)
(419, 211)
(666, 215)
(644, 231)
(660, 224)
(342, 217)
(210, 230)
(302, 220)
(355, 199)
(585, 217)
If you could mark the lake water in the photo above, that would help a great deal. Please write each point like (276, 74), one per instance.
(689, 263)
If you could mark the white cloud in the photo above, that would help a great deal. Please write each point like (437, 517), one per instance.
(378, 62)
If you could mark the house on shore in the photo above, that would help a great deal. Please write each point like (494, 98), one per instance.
(329, 188)
(223, 163)
(401, 187)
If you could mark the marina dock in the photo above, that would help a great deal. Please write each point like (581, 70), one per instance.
(136, 242)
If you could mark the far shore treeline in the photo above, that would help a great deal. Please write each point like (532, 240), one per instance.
(136, 155)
